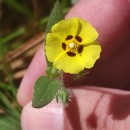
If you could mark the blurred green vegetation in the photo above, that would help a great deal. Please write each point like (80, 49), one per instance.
(20, 20)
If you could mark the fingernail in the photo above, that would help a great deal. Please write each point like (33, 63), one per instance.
(49, 117)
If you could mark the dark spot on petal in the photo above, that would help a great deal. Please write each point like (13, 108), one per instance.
(69, 37)
(71, 54)
(92, 121)
(79, 39)
(64, 46)
(80, 49)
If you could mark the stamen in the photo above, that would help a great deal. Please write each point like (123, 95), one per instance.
(71, 45)
(79, 39)
(72, 54)
(64, 46)
(69, 37)
(80, 49)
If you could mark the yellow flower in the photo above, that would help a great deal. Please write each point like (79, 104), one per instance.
(72, 45)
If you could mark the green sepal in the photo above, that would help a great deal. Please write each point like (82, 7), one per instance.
(45, 91)
(64, 95)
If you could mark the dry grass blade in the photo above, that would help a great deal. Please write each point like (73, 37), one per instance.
(35, 41)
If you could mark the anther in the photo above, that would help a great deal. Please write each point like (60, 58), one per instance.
(69, 37)
(80, 49)
(79, 39)
(72, 54)
(64, 46)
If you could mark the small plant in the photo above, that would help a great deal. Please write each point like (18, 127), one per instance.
(70, 47)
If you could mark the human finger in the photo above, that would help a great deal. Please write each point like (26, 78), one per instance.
(90, 108)
(101, 18)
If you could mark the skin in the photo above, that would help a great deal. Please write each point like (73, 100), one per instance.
(101, 106)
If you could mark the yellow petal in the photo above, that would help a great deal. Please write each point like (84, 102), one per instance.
(86, 32)
(68, 64)
(53, 46)
(66, 27)
(90, 54)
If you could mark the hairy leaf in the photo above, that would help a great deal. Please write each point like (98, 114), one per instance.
(44, 91)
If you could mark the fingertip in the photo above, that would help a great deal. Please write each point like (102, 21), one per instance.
(49, 117)
(36, 69)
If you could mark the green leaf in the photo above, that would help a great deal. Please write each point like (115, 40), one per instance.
(56, 16)
(44, 91)
(9, 123)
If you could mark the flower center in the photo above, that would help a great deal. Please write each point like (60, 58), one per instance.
(72, 45)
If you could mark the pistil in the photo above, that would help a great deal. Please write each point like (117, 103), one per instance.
(71, 45)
